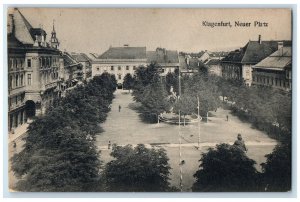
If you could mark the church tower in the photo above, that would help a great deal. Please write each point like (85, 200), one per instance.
(54, 41)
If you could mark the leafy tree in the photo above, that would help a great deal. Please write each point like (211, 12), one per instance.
(172, 80)
(59, 152)
(59, 158)
(187, 105)
(225, 168)
(277, 169)
(137, 169)
(128, 82)
(154, 102)
(144, 76)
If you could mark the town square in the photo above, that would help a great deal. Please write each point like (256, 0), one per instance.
(97, 104)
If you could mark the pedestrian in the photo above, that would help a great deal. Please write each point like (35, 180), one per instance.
(119, 108)
(109, 144)
(239, 143)
(227, 117)
(14, 144)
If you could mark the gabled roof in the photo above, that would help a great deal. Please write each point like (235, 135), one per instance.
(124, 53)
(162, 56)
(279, 60)
(253, 52)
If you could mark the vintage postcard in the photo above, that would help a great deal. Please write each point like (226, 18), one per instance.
(149, 99)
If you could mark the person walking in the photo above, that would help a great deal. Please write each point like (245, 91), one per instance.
(239, 143)
(119, 108)
(227, 117)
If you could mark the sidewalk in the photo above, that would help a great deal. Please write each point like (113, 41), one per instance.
(19, 132)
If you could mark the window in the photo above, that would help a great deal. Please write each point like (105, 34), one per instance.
(119, 68)
(134, 67)
(29, 79)
(112, 68)
(127, 67)
(119, 76)
(21, 80)
(10, 81)
(17, 80)
(29, 63)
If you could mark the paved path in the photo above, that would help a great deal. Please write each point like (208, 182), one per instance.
(125, 127)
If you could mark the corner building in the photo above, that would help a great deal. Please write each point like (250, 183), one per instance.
(33, 69)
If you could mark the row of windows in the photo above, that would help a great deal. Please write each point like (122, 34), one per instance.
(47, 77)
(270, 81)
(16, 63)
(16, 100)
(112, 68)
(18, 81)
(43, 62)
(48, 61)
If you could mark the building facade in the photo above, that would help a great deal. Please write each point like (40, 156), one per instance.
(238, 64)
(84, 60)
(33, 69)
(275, 70)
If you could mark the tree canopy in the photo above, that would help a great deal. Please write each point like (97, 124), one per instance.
(225, 168)
(137, 169)
(59, 152)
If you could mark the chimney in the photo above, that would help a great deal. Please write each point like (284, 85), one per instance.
(259, 39)
(280, 44)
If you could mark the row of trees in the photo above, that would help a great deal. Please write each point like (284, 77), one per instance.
(268, 109)
(59, 152)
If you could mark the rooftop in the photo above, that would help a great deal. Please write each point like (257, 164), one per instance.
(278, 60)
(124, 53)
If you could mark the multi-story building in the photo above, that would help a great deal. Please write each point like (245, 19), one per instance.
(33, 66)
(119, 61)
(238, 64)
(168, 60)
(71, 73)
(123, 60)
(275, 70)
(84, 60)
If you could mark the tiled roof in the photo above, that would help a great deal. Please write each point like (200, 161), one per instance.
(162, 56)
(278, 60)
(13, 42)
(253, 52)
(69, 60)
(22, 28)
(80, 57)
(124, 53)
(213, 62)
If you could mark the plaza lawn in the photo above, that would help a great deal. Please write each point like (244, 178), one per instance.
(125, 127)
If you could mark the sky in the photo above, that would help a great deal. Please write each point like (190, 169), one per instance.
(91, 30)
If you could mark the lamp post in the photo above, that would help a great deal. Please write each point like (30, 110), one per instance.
(179, 132)
(198, 121)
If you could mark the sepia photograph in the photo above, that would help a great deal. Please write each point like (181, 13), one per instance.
(149, 99)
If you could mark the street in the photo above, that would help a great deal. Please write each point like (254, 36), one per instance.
(125, 127)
